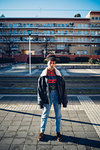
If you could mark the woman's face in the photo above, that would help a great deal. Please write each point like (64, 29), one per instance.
(51, 64)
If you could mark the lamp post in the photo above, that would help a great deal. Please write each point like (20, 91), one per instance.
(30, 53)
(44, 48)
(46, 44)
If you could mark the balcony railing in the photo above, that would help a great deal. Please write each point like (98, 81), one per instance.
(52, 41)
(50, 27)
(48, 34)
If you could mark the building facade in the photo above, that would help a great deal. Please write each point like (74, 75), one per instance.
(64, 36)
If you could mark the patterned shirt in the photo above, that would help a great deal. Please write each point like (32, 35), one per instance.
(51, 79)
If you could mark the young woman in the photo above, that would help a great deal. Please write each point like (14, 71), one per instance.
(51, 90)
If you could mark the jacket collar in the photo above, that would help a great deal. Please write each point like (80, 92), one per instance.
(44, 72)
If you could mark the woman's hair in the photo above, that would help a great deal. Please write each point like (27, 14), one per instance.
(51, 57)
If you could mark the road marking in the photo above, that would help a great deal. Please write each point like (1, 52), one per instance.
(33, 72)
(92, 111)
(92, 71)
(64, 72)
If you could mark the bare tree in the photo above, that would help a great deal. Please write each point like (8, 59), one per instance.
(8, 43)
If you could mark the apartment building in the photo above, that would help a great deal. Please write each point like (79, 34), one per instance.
(70, 36)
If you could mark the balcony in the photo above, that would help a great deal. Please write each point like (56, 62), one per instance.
(48, 34)
(51, 26)
(53, 41)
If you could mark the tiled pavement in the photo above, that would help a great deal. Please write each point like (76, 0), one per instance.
(20, 123)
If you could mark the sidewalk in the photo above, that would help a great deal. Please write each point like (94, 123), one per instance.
(20, 123)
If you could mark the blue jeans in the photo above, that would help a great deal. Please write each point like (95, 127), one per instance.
(53, 97)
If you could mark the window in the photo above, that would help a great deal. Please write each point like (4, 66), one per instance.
(31, 25)
(27, 25)
(83, 25)
(83, 32)
(13, 31)
(58, 32)
(52, 32)
(86, 32)
(93, 32)
(70, 31)
(58, 25)
(79, 32)
(45, 25)
(61, 46)
(79, 25)
(24, 32)
(52, 25)
(48, 32)
(52, 39)
(85, 52)
(45, 32)
(66, 25)
(86, 25)
(58, 39)
(48, 25)
(10, 25)
(62, 32)
(78, 52)
(65, 32)
(24, 25)
(96, 18)
(92, 18)
(62, 39)
(79, 39)
(62, 25)
(14, 25)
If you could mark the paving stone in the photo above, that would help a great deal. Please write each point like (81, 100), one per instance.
(16, 123)
(9, 134)
(6, 141)
(31, 140)
(27, 119)
(88, 128)
(6, 123)
(3, 128)
(1, 118)
(25, 123)
(96, 148)
(21, 134)
(70, 147)
(16, 147)
(18, 118)
(4, 146)
(13, 128)
(77, 129)
(68, 133)
(32, 133)
(19, 141)
(23, 128)
(58, 147)
(2, 133)
(44, 147)
(91, 134)
(80, 134)
(29, 147)
(81, 147)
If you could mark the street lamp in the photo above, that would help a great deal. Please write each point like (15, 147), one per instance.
(30, 53)
(46, 44)
(44, 48)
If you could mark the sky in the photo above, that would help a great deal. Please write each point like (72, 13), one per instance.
(47, 8)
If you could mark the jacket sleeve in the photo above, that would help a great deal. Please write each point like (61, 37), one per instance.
(39, 93)
(65, 97)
